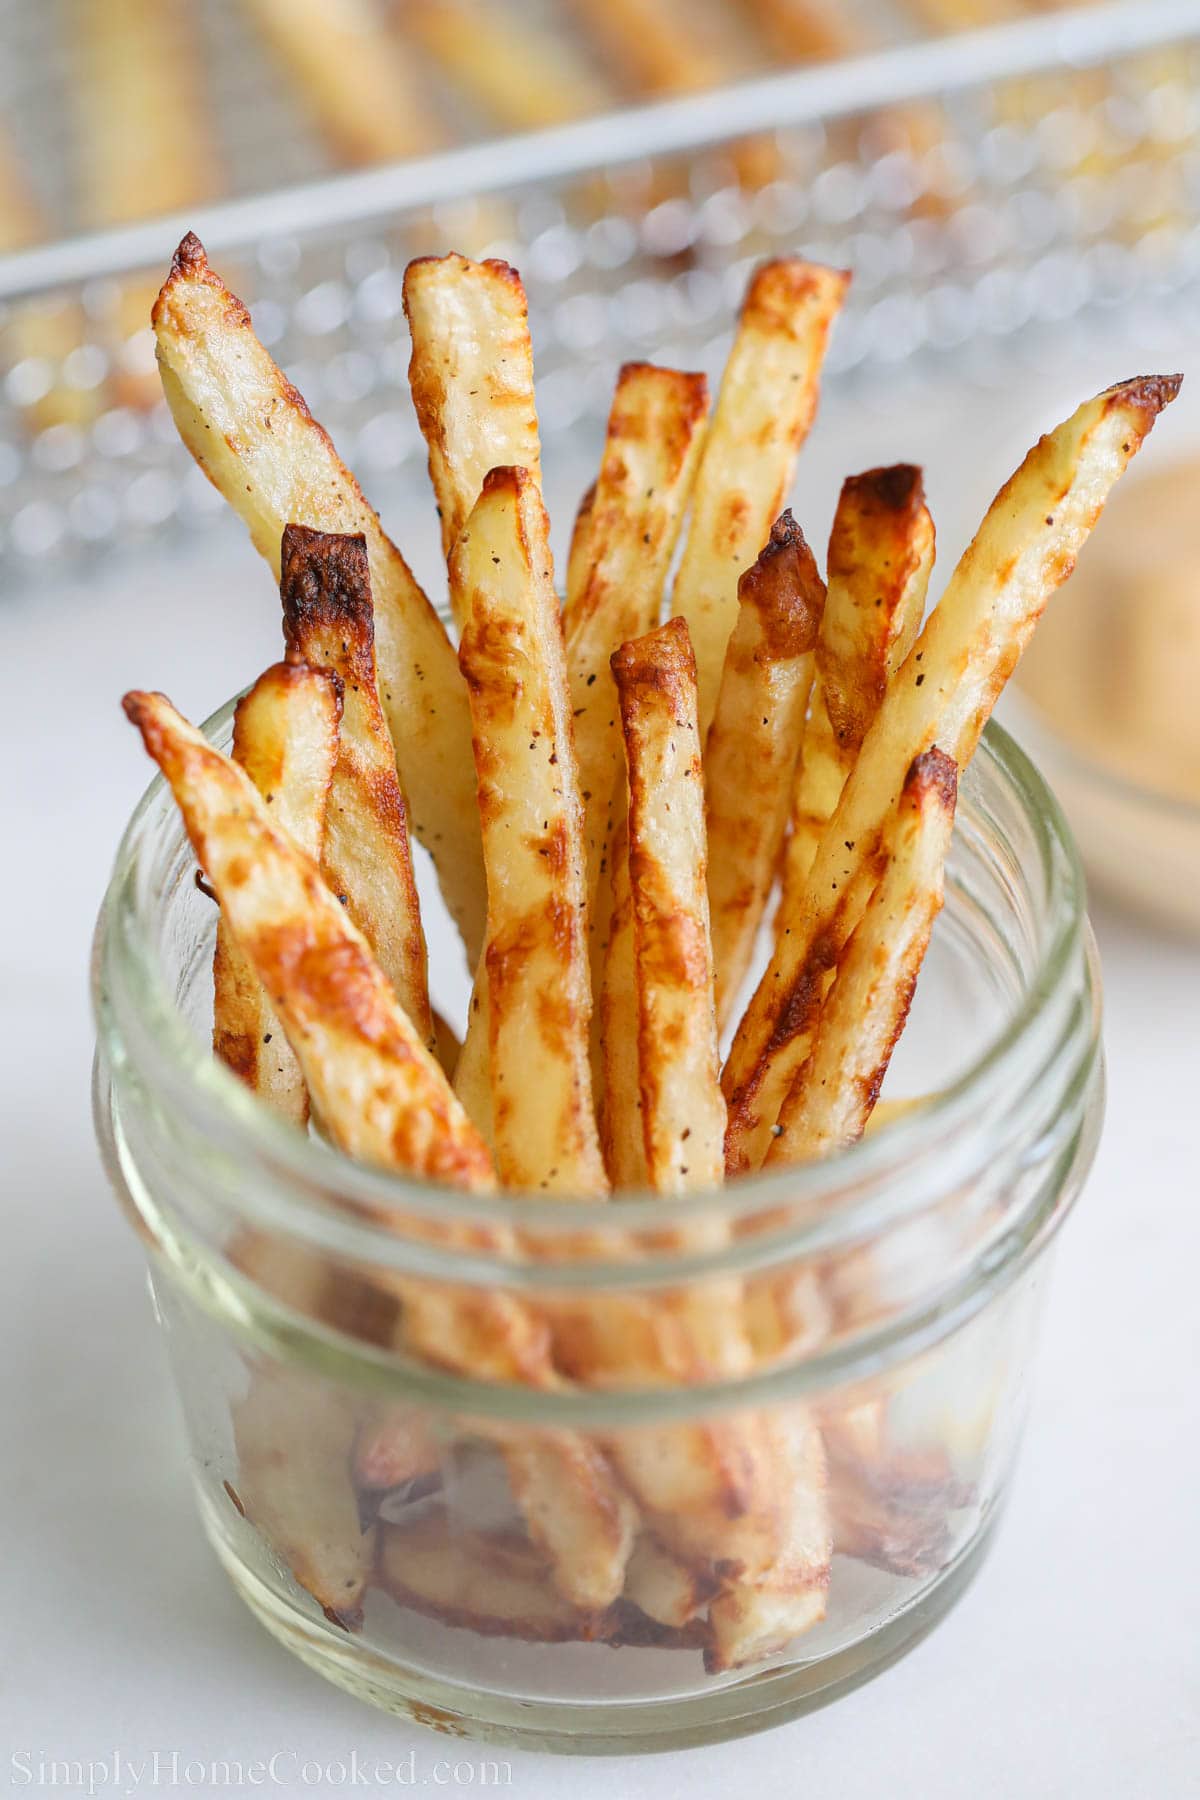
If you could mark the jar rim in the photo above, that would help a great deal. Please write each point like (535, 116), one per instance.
(314, 1192)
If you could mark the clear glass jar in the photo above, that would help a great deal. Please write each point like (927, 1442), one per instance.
(781, 1498)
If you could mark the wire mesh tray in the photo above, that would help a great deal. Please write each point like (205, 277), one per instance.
(977, 187)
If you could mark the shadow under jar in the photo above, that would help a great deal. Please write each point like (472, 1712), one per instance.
(780, 1419)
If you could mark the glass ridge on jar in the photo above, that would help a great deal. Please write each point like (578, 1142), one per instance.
(837, 1474)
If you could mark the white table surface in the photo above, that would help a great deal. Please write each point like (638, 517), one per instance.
(1072, 1668)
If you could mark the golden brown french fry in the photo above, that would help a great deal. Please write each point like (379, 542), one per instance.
(539, 997)
(754, 743)
(756, 1618)
(518, 75)
(383, 1100)
(832, 1098)
(471, 375)
(328, 620)
(621, 1135)
(147, 147)
(255, 439)
(880, 559)
(682, 1108)
(285, 736)
(364, 92)
(294, 1435)
(378, 1090)
(764, 411)
(496, 1586)
(943, 693)
(615, 586)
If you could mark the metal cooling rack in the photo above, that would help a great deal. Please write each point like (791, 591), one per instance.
(980, 188)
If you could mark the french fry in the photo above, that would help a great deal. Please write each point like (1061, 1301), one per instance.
(880, 559)
(377, 1089)
(682, 1109)
(383, 1100)
(255, 439)
(328, 619)
(753, 1619)
(615, 590)
(498, 1587)
(832, 1098)
(365, 94)
(831, 1101)
(539, 997)
(764, 411)
(471, 375)
(621, 1134)
(285, 736)
(148, 148)
(707, 1492)
(754, 744)
(294, 1436)
(943, 693)
(664, 1588)
(517, 75)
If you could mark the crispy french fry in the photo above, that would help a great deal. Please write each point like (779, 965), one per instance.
(148, 147)
(880, 559)
(881, 552)
(682, 1109)
(615, 587)
(377, 1089)
(832, 1098)
(328, 619)
(482, 1582)
(539, 998)
(471, 375)
(365, 95)
(285, 736)
(621, 1133)
(706, 1490)
(384, 1100)
(764, 411)
(754, 744)
(943, 693)
(753, 1619)
(519, 76)
(663, 1587)
(294, 1437)
(255, 439)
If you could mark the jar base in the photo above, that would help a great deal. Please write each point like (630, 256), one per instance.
(616, 1728)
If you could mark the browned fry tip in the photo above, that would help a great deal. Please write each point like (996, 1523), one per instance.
(786, 587)
(325, 576)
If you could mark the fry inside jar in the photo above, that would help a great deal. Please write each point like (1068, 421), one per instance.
(620, 808)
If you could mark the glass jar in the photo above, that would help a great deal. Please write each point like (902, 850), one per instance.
(780, 1419)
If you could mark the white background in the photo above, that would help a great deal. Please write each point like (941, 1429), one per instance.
(1070, 1669)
